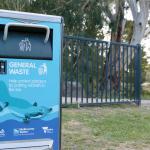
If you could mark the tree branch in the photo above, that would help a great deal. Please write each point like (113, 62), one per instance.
(147, 31)
(85, 5)
(144, 8)
(55, 9)
(133, 7)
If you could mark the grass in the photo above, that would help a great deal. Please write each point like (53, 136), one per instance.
(106, 128)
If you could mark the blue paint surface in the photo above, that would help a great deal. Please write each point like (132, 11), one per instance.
(30, 95)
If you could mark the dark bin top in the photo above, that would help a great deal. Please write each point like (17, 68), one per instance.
(27, 43)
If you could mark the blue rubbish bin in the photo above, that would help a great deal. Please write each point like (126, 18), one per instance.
(30, 77)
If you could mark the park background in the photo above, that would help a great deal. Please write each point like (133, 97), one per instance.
(111, 20)
(110, 127)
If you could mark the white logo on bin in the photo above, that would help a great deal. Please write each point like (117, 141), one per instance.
(42, 69)
(47, 130)
(25, 45)
(16, 132)
(2, 132)
(23, 131)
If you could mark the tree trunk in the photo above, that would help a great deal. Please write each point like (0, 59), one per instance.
(140, 18)
(113, 55)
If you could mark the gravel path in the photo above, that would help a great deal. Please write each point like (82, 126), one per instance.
(145, 102)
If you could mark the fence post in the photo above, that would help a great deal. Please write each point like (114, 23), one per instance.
(138, 73)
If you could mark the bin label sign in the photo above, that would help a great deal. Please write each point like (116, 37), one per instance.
(28, 108)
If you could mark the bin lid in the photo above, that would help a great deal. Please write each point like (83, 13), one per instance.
(30, 16)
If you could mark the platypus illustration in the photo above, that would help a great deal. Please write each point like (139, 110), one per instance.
(20, 107)
(33, 112)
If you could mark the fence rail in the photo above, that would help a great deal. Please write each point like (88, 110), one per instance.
(98, 72)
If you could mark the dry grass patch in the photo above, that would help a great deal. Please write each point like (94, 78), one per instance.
(106, 128)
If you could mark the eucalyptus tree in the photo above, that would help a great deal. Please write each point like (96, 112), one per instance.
(122, 29)
(81, 17)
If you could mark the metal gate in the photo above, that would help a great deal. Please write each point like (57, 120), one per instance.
(99, 72)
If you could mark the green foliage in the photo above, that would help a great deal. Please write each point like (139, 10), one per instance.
(19, 5)
(81, 17)
(128, 31)
(144, 66)
(148, 73)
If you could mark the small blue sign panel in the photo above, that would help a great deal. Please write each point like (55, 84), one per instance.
(30, 82)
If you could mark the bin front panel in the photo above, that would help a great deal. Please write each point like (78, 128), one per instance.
(30, 95)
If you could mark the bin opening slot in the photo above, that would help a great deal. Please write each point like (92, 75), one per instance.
(26, 42)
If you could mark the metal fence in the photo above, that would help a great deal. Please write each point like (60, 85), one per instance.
(98, 72)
